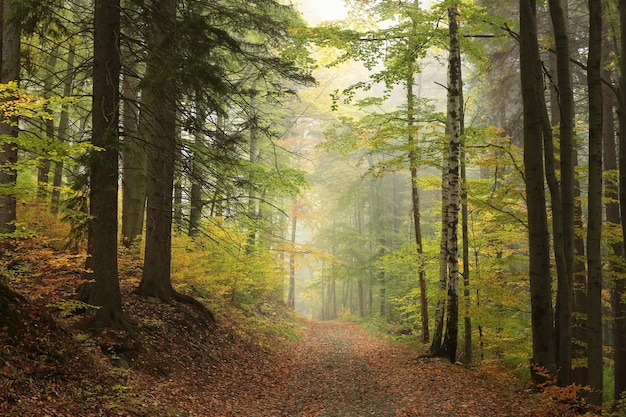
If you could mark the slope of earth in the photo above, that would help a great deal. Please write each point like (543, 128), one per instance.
(184, 367)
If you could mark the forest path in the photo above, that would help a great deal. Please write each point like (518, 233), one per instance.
(337, 370)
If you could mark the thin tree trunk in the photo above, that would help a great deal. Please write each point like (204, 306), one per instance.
(134, 161)
(197, 172)
(64, 123)
(291, 295)
(43, 171)
(435, 346)
(412, 141)
(594, 226)
(468, 353)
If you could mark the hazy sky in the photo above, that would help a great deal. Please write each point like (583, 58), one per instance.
(315, 11)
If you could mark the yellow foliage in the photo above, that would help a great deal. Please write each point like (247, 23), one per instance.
(17, 102)
(224, 269)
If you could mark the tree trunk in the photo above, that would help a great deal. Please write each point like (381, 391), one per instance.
(43, 171)
(104, 168)
(566, 137)
(412, 141)
(454, 124)
(197, 172)
(594, 226)
(538, 237)
(435, 346)
(613, 218)
(64, 123)
(159, 98)
(615, 268)
(134, 160)
(467, 325)
(9, 71)
(291, 296)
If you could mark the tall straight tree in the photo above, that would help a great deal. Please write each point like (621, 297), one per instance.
(159, 100)
(564, 238)
(620, 380)
(415, 200)
(415, 197)
(9, 72)
(63, 129)
(454, 125)
(538, 236)
(594, 225)
(133, 157)
(614, 220)
(102, 259)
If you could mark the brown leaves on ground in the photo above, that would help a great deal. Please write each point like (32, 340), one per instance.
(187, 369)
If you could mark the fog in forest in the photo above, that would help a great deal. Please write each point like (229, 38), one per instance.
(342, 185)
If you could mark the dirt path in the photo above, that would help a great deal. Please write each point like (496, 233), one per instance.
(337, 370)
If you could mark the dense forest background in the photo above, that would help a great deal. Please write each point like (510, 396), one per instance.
(451, 171)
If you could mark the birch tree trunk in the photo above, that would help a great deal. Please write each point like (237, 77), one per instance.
(454, 124)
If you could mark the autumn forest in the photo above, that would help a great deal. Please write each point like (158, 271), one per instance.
(312, 208)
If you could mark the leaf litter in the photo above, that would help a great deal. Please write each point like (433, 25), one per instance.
(186, 369)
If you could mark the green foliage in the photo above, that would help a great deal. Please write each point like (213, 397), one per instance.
(223, 269)
(70, 307)
(619, 407)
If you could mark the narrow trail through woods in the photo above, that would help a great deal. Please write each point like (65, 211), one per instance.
(338, 370)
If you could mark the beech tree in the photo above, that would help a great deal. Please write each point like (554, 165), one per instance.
(9, 72)
(563, 194)
(594, 227)
(539, 247)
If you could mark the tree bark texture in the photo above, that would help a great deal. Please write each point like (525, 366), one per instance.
(454, 124)
(538, 236)
(104, 166)
(134, 160)
(9, 71)
(415, 199)
(594, 225)
(436, 344)
(567, 164)
(43, 170)
(197, 169)
(62, 134)
(159, 98)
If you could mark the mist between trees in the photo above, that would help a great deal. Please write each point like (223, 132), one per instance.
(453, 171)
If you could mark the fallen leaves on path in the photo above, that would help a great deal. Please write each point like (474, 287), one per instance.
(185, 369)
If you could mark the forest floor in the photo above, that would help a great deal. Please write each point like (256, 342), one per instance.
(49, 367)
